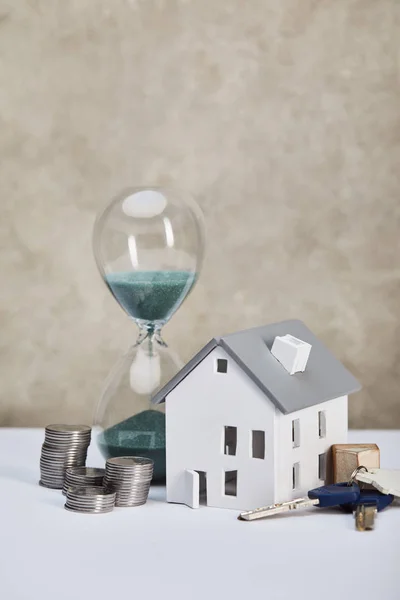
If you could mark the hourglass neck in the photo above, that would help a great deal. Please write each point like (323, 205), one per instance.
(151, 334)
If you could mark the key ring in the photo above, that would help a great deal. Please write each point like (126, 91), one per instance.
(354, 473)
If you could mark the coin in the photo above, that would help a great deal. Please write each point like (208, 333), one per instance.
(64, 446)
(68, 429)
(83, 477)
(130, 477)
(89, 500)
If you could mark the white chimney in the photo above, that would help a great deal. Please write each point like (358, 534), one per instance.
(291, 352)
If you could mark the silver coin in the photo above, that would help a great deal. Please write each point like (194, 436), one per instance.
(62, 457)
(127, 486)
(132, 493)
(67, 429)
(128, 476)
(90, 483)
(121, 487)
(61, 444)
(61, 467)
(86, 472)
(68, 485)
(130, 501)
(73, 446)
(125, 483)
(130, 461)
(120, 504)
(135, 477)
(128, 468)
(96, 494)
(84, 481)
(90, 491)
(89, 502)
(131, 498)
(61, 453)
(89, 506)
(89, 512)
(73, 435)
(62, 461)
(73, 502)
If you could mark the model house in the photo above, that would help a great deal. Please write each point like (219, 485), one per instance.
(250, 418)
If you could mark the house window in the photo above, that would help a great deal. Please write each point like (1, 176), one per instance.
(222, 365)
(258, 443)
(230, 440)
(296, 433)
(296, 476)
(322, 466)
(230, 483)
(322, 424)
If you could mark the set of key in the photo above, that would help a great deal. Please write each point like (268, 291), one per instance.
(351, 496)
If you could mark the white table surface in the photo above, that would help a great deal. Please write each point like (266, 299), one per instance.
(170, 551)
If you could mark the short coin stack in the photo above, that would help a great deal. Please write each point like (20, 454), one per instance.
(64, 446)
(83, 477)
(130, 478)
(92, 500)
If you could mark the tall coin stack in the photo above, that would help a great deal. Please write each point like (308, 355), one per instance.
(83, 477)
(130, 478)
(93, 500)
(64, 446)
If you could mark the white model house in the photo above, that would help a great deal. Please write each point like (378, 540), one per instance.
(250, 418)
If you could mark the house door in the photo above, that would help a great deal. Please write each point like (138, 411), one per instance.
(202, 488)
(192, 489)
(195, 488)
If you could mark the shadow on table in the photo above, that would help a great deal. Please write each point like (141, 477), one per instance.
(157, 492)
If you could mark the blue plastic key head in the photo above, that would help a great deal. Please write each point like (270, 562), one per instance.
(372, 498)
(336, 494)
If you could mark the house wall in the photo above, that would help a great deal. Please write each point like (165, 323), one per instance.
(197, 411)
(310, 447)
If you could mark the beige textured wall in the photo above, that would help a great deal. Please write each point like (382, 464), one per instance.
(283, 117)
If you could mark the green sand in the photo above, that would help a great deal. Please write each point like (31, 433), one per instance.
(140, 435)
(150, 295)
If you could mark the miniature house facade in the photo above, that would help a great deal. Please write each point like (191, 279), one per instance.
(250, 418)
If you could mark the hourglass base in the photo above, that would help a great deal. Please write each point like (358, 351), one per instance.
(140, 435)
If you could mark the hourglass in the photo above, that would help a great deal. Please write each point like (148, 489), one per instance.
(148, 244)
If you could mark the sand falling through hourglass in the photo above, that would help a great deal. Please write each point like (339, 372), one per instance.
(148, 244)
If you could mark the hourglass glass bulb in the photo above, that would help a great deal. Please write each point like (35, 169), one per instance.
(148, 244)
(145, 371)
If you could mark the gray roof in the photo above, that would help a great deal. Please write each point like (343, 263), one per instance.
(325, 377)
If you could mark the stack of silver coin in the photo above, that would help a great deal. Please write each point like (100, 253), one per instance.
(93, 500)
(83, 477)
(64, 446)
(130, 478)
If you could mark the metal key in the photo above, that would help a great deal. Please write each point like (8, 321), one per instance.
(386, 481)
(338, 494)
